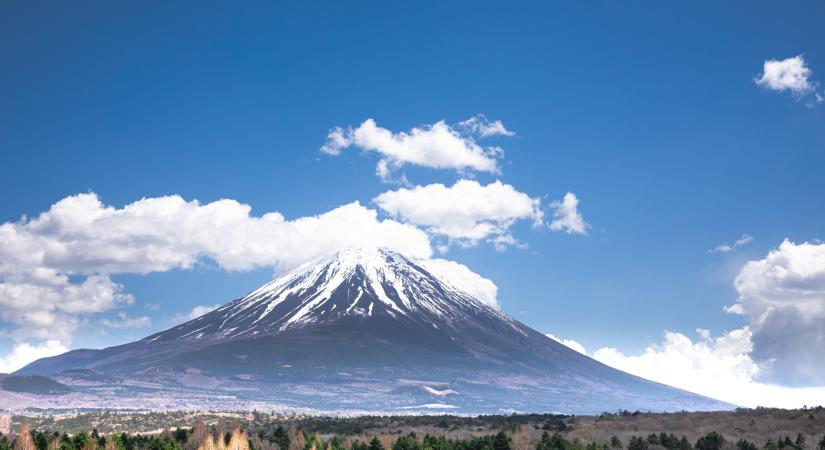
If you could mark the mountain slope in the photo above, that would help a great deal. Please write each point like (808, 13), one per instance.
(368, 329)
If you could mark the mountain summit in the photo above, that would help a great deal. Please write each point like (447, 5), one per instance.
(365, 329)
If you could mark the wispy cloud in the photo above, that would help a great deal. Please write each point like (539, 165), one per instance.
(724, 247)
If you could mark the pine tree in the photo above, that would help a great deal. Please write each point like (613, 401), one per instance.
(375, 444)
(800, 443)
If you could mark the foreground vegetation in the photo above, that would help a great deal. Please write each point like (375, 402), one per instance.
(761, 429)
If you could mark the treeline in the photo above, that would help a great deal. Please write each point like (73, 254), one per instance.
(668, 441)
(218, 437)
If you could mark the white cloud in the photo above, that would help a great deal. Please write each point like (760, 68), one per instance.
(480, 126)
(567, 216)
(55, 268)
(718, 367)
(465, 279)
(466, 211)
(124, 321)
(790, 74)
(51, 307)
(776, 360)
(437, 146)
(23, 353)
(194, 313)
(783, 296)
(724, 247)
(569, 343)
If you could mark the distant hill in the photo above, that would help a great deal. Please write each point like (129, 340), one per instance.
(33, 384)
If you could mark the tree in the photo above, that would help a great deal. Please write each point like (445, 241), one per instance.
(800, 443)
(637, 443)
(615, 442)
(501, 441)
(554, 442)
(281, 438)
(24, 439)
(822, 443)
(710, 441)
(375, 444)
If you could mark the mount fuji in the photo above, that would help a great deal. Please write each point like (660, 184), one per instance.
(368, 330)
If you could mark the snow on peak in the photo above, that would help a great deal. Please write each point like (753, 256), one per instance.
(353, 281)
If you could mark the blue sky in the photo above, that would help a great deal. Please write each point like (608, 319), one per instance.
(647, 111)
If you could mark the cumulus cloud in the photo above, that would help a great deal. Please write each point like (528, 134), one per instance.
(124, 321)
(719, 367)
(23, 353)
(572, 344)
(465, 279)
(55, 268)
(776, 360)
(724, 247)
(50, 306)
(567, 217)
(437, 146)
(467, 211)
(790, 74)
(783, 296)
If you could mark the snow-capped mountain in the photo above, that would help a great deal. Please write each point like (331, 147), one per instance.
(353, 284)
(369, 329)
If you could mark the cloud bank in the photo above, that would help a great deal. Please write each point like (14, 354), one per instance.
(783, 297)
(775, 360)
(55, 268)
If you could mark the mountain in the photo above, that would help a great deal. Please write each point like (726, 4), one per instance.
(363, 330)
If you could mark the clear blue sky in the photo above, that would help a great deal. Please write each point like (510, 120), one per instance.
(648, 111)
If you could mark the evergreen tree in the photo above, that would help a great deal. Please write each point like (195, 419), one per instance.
(800, 443)
(501, 441)
(637, 443)
(375, 444)
(710, 441)
(615, 442)
(822, 443)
